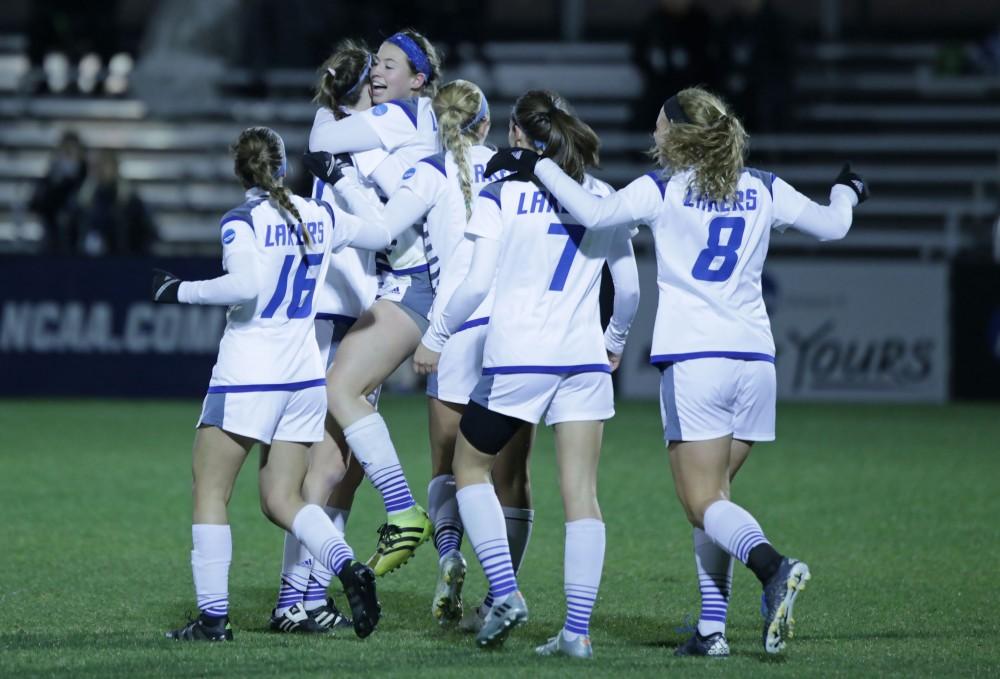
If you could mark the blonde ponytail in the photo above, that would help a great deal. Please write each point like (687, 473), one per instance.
(457, 106)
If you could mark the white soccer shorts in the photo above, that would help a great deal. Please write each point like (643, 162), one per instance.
(266, 416)
(460, 365)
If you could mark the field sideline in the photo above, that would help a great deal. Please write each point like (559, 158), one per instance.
(894, 507)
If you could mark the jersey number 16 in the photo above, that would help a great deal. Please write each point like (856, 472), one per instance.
(303, 288)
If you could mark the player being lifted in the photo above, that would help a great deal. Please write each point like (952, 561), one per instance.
(544, 355)
(267, 384)
(711, 219)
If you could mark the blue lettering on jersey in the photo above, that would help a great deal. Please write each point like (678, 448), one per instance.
(744, 202)
(541, 201)
(380, 110)
(228, 236)
(284, 235)
(409, 173)
(479, 172)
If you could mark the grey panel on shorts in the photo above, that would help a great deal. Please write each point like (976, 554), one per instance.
(214, 411)
(418, 298)
(481, 394)
(668, 401)
(432, 385)
(339, 331)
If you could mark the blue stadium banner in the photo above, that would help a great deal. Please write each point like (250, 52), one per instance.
(86, 327)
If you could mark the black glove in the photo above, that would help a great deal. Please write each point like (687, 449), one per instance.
(854, 182)
(521, 161)
(326, 166)
(165, 287)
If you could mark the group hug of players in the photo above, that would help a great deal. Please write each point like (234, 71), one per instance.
(483, 267)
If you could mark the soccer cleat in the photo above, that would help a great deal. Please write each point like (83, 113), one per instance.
(559, 645)
(295, 619)
(506, 614)
(329, 617)
(359, 586)
(203, 628)
(447, 605)
(473, 619)
(779, 598)
(399, 539)
(713, 646)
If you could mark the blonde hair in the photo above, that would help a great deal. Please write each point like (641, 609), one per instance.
(340, 76)
(430, 87)
(555, 132)
(257, 156)
(456, 106)
(713, 144)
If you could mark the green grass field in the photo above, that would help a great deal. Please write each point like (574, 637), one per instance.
(894, 507)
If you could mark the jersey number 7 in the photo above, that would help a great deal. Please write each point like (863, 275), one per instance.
(303, 288)
(575, 233)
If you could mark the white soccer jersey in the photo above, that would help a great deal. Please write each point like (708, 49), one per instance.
(710, 256)
(270, 341)
(409, 131)
(546, 313)
(435, 179)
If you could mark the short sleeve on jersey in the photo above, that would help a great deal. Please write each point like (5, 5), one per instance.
(237, 236)
(788, 203)
(395, 122)
(487, 220)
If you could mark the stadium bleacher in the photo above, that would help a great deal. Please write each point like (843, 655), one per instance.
(927, 143)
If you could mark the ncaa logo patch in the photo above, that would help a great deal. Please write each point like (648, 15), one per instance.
(409, 173)
(380, 110)
(228, 236)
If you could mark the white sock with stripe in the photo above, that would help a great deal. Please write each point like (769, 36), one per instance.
(715, 582)
(372, 446)
(733, 528)
(316, 531)
(582, 567)
(519, 523)
(296, 563)
(210, 558)
(320, 576)
(484, 524)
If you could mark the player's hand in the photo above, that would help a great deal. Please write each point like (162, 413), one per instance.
(615, 360)
(326, 166)
(854, 182)
(514, 160)
(425, 361)
(165, 286)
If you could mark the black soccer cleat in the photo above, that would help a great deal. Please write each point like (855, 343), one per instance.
(329, 617)
(296, 619)
(779, 598)
(204, 628)
(359, 587)
(713, 646)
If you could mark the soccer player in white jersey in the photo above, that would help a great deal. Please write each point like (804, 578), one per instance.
(544, 355)
(711, 219)
(441, 187)
(404, 77)
(267, 384)
(347, 290)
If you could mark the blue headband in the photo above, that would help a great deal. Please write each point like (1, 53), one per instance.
(361, 78)
(484, 110)
(413, 52)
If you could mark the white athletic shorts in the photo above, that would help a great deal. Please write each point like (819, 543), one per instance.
(707, 398)
(330, 330)
(264, 416)
(576, 397)
(461, 364)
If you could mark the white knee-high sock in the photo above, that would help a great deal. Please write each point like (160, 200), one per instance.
(715, 582)
(582, 567)
(211, 556)
(442, 507)
(519, 524)
(369, 440)
(733, 528)
(339, 517)
(295, 566)
(314, 529)
(320, 576)
(484, 524)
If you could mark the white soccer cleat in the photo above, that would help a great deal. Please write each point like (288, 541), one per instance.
(447, 605)
(506, 614)
(559, 645)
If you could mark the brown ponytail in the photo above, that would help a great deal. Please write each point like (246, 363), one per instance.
(558, 134)
(257, 156)
(713, 144)
(350, 63)
(456, 106)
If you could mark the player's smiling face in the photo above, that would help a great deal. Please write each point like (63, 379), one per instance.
(392, 77)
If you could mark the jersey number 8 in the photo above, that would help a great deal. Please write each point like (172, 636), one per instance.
(703, 269)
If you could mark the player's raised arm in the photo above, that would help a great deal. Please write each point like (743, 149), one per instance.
(825, 222)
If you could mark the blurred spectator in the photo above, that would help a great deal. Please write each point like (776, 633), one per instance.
(674, 48)
(55, 195)
(758, 59)
(113, 219)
